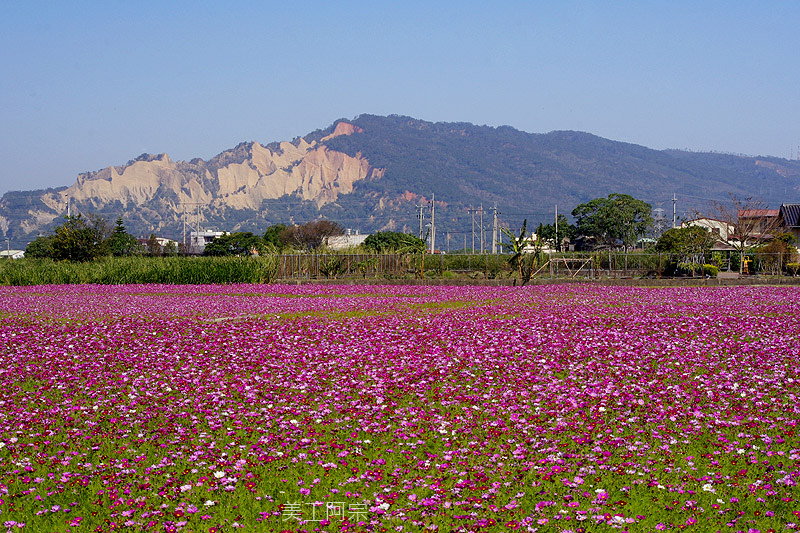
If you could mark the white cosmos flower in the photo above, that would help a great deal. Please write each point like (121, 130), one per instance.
(219, 474)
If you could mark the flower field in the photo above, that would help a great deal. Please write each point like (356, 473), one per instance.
(271, 408)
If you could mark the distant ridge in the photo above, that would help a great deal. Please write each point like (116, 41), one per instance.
(370, 172)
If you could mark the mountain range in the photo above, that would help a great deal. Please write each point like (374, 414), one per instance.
(372, 173)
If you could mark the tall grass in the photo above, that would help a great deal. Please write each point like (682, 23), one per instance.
(124, 270)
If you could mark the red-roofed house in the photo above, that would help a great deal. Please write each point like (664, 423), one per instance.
(758, 224)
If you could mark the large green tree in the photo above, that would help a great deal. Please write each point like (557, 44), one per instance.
(617, 220)
(80, 239)
(41, 247)
(393, 242)
(237, 243)
(686, 241)
(121, 242)
(272, 237)
(554, 236)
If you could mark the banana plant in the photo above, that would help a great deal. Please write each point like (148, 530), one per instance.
(522, 260)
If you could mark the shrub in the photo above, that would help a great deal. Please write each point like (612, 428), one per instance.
(710, 270)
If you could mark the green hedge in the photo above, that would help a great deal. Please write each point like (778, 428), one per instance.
(125, 270)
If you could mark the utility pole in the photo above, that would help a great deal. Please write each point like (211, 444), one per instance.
(558, 242)
(483, 240)
(433, 222)
(197, 219)
(420, 216)
(674, 200)
(472, 212)
(494, 229)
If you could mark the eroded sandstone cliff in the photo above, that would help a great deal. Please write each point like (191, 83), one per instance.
(238, 179)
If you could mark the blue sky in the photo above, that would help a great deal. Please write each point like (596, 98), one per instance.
(87, 84)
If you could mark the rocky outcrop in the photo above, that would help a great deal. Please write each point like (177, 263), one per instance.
(238, 179)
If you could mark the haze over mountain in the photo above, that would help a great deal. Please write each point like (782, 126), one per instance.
(370, 173)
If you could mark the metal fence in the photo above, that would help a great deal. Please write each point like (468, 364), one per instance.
(343, 266)
(573, 265)
(620, 265)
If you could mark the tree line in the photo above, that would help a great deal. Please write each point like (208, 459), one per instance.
(617, 221)
(81, 238)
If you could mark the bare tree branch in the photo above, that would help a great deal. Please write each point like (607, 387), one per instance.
(749, 221)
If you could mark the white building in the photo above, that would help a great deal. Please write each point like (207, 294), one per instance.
(199, 239)
(13, 254)
(718, 227)
(163, 242)
(342, 242)
(531, 245)
(350, 239)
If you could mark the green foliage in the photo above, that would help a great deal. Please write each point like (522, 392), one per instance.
(140, 269)
(684, 241)
(121, 242)
(153, 246)
(620, 218)
(170, 249)
(272, 236)
(793, 268)
(782, 249)
(687, 267)
(366, 265)
(332, 266)
(691, 268)
(84, 239)
(238, 243)
(393, 242)
(523, 259)
(41, 247)
(80, 239)
(710, 270)
(547, 232)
